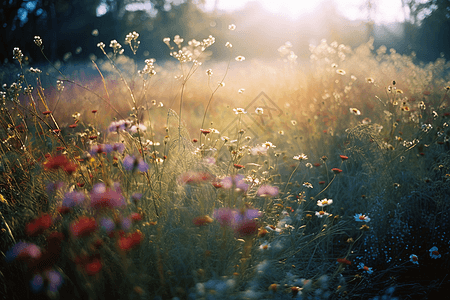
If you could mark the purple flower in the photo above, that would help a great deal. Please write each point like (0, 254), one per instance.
(118, 126)
(36, 283)
(22, 250)
(100, 148)
(267, 191)
(107, 224)
(55, 280)
(237, 180)
(119, 147)
(131, 163)
(242, 221)
(126, 224)
(246, 215)
(73, 198)
(54, 186)
(136, 197)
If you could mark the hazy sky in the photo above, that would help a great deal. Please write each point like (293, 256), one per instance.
(385, 11)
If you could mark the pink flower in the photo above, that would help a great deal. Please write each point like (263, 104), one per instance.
(106, 197)
(237, 181)
(192, 177)
(267, 191)
(225, 216)
(243, 222)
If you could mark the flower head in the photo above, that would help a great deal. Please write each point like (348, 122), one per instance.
(101, 197)
(22, 251)
(336, 170)
(84, 226)
(321, 213)
(366, 269)
(202, 220)
(344, 261)
(355, 111)
(239, 110)
(324, 202)
(267, 191)
(301, 157)
(225, 216)
(131, 163)
(308, 185)
(434, 253)
(237, 181)
(414, 259)
(39, 225)
(361, 218)
(72, 199)
(100, 148)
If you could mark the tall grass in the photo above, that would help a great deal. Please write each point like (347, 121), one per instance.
(168, 182)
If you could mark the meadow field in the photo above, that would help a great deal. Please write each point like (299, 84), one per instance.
(240, 179)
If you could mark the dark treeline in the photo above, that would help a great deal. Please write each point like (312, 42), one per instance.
(66, 28)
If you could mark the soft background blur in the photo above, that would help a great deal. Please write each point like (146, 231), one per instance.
(66, 27)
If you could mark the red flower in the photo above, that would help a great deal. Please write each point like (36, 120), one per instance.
(70, 167)
(56, 162)
(93, 267)
(47, 112)
(64, 210)
(84, 226)
(130, 241)
(343, 157)
(205, 131)
(56, 130)
(60, 161)
(295, 290)
(336, 170)
(237, 166)
(39, 225)
(316, 165)
(73, 125)
(202, 220)
(135, 217)
(94, 111)
(217, 185)
(247, 228)
(344, 261)
(322, 182)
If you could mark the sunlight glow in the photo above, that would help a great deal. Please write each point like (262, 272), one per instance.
(383, 11)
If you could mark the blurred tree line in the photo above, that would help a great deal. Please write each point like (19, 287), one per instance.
(66, 27)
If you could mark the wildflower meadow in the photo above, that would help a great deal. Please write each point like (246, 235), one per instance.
(239, 179)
